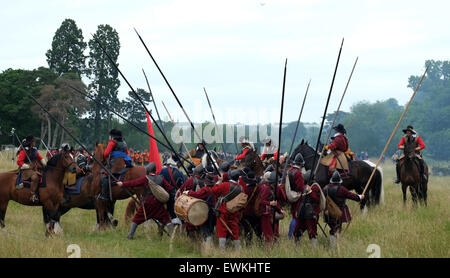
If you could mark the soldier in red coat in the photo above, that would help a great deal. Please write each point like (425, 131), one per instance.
(250, 221)
(269, 206)
(28, 161)
(339, 194)
(340, 141)
(246, 147)
(227, 223)
(411, 138)
(307, 208)
(152, 208)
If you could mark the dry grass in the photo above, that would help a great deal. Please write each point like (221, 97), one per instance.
(400, 232)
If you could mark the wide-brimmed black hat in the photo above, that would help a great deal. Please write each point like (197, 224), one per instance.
(409, 128)
(340, 128)
(115, 133)
(250, 178)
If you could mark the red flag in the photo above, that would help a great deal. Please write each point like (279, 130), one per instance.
(154, 154)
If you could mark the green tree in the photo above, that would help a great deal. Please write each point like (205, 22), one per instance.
(66, 54)
(105, 82)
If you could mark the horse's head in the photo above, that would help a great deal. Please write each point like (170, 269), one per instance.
(215, 157)
(99, 151)
(307, 152)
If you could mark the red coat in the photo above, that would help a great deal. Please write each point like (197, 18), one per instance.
(23, 157)
(343, 193)
(110, 148)
(299, 186)
(242, 155)
(143, 181)
(339, 143)
(266, 197)
(418, 140)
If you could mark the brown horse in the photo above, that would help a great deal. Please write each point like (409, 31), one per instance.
(89, 189)
(118, 193)
(51, 195)
(410, 176)
(252, 161)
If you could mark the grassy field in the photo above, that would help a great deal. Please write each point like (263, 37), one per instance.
(400, 232)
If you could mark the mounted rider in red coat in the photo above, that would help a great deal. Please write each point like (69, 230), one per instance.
(117, 148)
(339, 147)
(28, 161)
(339, 194)
(411, 138)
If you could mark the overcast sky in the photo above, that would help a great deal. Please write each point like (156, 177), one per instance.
(236, 49)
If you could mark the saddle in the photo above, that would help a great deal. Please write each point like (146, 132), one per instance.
(24, 177)
(336, 160)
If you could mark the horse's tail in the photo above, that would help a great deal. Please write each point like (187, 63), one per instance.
(130, 211)
(376, 187)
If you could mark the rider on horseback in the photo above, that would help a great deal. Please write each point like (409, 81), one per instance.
(27, 153)
(339, 146)
(116, 148)
(411, 138)
(246, 145)
(270, 150)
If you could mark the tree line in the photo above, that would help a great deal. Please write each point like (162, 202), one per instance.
(368, 125)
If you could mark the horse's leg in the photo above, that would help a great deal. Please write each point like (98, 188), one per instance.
(413, 191)
(101, 213)
(404, 187)
(3, 207)
(58, 229)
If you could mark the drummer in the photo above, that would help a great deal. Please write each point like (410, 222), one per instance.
(154, 209)
(207, 229)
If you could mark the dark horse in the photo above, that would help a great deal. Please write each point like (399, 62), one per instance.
(51, 195)
(410, 176)
(89, 189)
(360, 173)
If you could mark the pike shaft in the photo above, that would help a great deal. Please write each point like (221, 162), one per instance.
(214, 118)
(326, 108)
(153, 100)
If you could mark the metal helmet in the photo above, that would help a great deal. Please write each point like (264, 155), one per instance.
(269, 168)
(199, 170)
(267, 140)
(65, 146)
(298, 160)
(336, 178)
(151, 167)
(225, 166)
(306, 176)
(273, 177)
(235, 174)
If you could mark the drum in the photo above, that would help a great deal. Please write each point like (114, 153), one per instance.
(192, 210)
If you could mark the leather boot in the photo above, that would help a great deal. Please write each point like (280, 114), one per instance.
(132, 230)
(105, 189)
(33, 187)
(397, 170)
(422, 170)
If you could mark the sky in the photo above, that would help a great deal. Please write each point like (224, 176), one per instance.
(236, 50)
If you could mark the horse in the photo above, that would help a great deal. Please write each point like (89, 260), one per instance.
(117, 192)
(361, 171)
(88, 190)
(410, 176)
(51, 195)
(252, 161)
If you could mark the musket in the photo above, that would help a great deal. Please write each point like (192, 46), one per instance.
(122, 117)
(139, 98)
(335, 117)
(295, 132)
(179, 103)
(81, 144)
(171, 119)
(279, 140)
(153, 100)
(326, 108)
(214, 118)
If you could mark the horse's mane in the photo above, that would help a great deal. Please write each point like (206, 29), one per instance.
(52, 162)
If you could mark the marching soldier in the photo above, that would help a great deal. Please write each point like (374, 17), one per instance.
(339, 194)
(146, 157)
(250, 221)
(411, 138)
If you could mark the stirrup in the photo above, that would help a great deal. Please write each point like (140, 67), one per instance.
(34, 198)
(19, 186)
(102, 198)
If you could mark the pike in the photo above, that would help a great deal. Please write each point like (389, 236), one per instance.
(48, 150)
(140, 100)
(122, 117)
(335, 116)
(76, 140)
(393, 132)
(215, 123)
(296, 128)
(179, 103)
(171, 119)
(326, 108)
(153, 99)
(279, 141)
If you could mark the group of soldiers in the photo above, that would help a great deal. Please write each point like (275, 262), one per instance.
(260, 212)
(140, 158)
